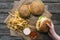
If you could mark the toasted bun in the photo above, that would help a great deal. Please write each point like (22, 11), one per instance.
(37, 8)
(24, 11)
(41, 24)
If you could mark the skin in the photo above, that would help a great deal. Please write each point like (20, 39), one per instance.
(52, 32)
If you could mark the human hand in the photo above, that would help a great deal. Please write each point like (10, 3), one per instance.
(52, 32)
(51, 28)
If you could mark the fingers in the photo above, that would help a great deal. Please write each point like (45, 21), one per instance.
(52, 25)
(48, 25)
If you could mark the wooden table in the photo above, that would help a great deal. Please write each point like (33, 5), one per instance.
(6, 5)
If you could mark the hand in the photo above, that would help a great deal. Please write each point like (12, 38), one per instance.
(52, 32)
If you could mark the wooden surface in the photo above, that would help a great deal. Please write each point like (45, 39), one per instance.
(6, 5)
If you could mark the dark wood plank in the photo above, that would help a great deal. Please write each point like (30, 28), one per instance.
(5, 10)
(57, 28)
(48, 1)
(8, 0)
(53, 7)
(16, 38)
(5, 38)
(4, 32)
(3, 17)
(11, 38)
(6, 5)
(56, 18)
(3, 26)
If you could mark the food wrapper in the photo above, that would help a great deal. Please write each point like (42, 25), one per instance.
(13, 15)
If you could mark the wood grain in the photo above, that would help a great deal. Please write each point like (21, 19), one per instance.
(52, 7)
(8, 0)
(42, 0)
(7, 5)
(5, 31)
(57, 29)
(3, 17)
(55, 17)
(51, 1)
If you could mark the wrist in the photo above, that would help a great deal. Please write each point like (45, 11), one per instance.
(52, 31)
(56, 36)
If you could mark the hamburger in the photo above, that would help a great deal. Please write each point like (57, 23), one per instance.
(24, 11)
(37, 7)
(41, 24)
